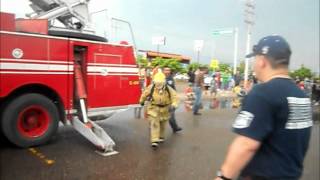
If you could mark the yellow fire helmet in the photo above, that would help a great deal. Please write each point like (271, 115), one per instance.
(159, 78)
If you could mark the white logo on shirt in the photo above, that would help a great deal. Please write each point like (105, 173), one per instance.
(243, 120)
(300, 114)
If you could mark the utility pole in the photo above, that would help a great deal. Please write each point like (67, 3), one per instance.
(236, 31)
(198, 45)
(249, 20)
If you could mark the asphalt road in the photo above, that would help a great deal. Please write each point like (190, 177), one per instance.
(193, 154)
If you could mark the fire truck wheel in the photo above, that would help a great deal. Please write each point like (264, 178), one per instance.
(30, 120)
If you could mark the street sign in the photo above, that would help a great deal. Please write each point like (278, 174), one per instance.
(214, 64)
(158, 40)
(198, 45)
(222, 31)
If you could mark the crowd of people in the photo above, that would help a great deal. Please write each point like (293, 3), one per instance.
(311, 88)
(216, 81)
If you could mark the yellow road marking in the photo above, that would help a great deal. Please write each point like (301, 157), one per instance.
(41, 156)
(49, 162)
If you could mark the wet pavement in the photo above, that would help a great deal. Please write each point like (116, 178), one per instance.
(195, 153)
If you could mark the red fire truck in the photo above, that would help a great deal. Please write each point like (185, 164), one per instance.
(52, 74)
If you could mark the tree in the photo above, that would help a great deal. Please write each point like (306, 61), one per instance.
(195, 66)
(173, 64)
(301, 73)
(142, 61)
(241, 67)
(223, 67)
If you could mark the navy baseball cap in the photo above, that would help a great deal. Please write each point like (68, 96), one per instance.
(273, 46)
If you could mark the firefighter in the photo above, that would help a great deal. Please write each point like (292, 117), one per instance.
(161, 100)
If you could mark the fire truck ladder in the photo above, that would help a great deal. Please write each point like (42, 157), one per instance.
(73, 14)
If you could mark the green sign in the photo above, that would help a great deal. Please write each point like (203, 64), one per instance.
(222, 31)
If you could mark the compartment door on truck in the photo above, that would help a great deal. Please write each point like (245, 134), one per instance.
(104, 81)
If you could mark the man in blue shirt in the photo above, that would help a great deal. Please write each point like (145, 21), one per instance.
(171, 83)
(274, 125)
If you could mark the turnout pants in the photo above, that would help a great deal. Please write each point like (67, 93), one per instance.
(158, 116)
(157, 129)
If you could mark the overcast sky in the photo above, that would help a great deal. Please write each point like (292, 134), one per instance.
(183, 21)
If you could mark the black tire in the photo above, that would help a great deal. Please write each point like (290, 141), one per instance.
(10, 120)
